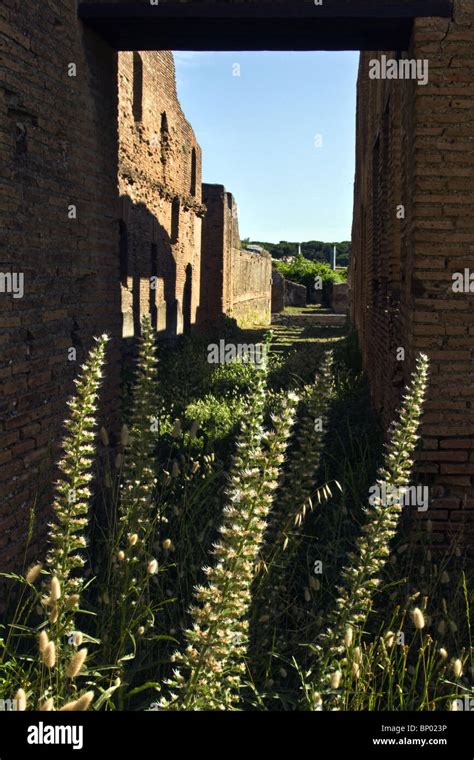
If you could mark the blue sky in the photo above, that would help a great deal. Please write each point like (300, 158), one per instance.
(259, 134)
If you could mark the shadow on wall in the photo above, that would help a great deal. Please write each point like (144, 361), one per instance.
(148, 275)
(187, 299)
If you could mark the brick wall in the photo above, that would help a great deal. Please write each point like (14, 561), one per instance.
(415, 147)
(104, 224)
(160, 188)
(234, 282)
(137, 213)
(57, 148)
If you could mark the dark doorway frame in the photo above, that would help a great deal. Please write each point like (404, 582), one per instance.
(334, 25)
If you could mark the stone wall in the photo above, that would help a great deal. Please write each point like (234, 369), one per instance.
(340, 298)
(251, 288)
(414, 229)
(295, 294)
(240, 279)
(278, 292)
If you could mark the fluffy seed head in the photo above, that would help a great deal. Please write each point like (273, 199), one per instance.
(53, 615)
(348, 638)
(49, 655)
(33, 573)
(318, 702)
(443, 653)
(457, 668)
(72, 600)
(167, 544)
(152, 567)
(55, 589)
(79, 705)
(418, 618)
(76, 663)
(132, 540)
(42, 641)
(20, 698)
(389, 639)
(336, 679)
(104, 436)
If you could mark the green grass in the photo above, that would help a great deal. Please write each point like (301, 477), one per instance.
(171, 486)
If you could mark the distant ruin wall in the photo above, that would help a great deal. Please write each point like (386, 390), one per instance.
(234, 282)
(413, 229)
(295, 294)
(278, 292)
(251, 292)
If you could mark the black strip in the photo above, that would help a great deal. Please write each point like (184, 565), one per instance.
(348, 9)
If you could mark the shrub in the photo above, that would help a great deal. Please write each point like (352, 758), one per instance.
(305, 272)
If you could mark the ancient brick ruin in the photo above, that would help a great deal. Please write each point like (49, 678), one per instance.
(105, 223)
(413, 229)
(160, 191)
(234, 282)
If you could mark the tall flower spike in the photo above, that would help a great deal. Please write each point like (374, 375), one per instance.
(359, 577)
(66, 535)
(139, 523)
(73, 494)
(304, 461)
(287, 515)
(209, 670)
(139, 478)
